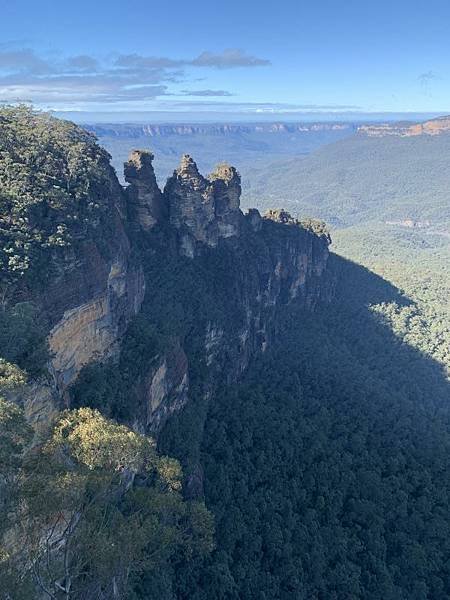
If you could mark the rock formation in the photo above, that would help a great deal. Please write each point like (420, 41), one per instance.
(203, 209)
(227, 193)
(146, 203)
(96, 289)
(79, 269)
(210, 280)
(272, 261)
(191, 205)
(137, 131)
(439, 126)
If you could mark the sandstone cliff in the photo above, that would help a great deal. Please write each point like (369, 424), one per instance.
(138, 131)
(64, 246)
(208, 280)
(440, 126)
(237, 270)
(203, 209)
(96, 289)
(146, 204)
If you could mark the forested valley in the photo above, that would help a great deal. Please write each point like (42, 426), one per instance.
(327, 469)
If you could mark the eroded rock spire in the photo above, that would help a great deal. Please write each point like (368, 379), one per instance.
(203, 209)
(147, 205)
(188, 167)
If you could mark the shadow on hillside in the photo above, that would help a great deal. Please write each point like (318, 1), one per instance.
(371, 341)
(332, 453)
(364, 287)
(336, 440)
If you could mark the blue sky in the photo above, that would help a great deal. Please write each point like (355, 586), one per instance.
(252, 58)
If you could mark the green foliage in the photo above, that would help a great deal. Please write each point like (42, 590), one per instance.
(360, 179)
(417, 263)
(11, 377)
(51, 173)
(92, 440)
(326, 470)
(15, 436)
(96, 506)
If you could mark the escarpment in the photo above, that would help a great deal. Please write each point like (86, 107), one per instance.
(64, 249)
(216, 279)
(206, 280)
(95, 288)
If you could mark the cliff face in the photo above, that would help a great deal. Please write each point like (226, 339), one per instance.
(146, 203)
(96, 289)
(440, 126)
(209, 280)
(251, 267)
(203, 209)
(64, 246)
(91, 329)
(137, 131)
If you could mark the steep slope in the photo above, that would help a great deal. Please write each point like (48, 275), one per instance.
(317, 433)
(434, 127)
(217, 282)
(82, 251)
(64, 251)
(122, 306)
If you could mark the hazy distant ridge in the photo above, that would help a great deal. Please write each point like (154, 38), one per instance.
(155, 130)
(406, 129)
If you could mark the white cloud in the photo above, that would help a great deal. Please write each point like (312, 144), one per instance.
(27, 76)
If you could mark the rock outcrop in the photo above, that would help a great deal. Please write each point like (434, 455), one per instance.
(270, 261)
(69, 226)
(92, 330)
(165, 387)
(97, 287)
(440, 126)
(145, 200)
(208, 280)
(139, 131)
(203, 209)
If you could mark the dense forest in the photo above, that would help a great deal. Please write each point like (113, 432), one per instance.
(418, 263)
(326, 469)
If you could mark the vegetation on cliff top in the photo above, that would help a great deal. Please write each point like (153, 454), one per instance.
(52, 174)
(360, 179)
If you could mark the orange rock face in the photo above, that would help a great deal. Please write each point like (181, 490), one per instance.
(435, 127)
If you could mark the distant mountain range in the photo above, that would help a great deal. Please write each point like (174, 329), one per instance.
(244, 145)
(157, 130)
(345, 173)
(392, 172)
